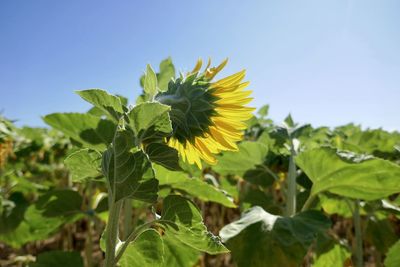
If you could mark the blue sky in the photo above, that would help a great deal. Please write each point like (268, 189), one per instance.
(326, 62)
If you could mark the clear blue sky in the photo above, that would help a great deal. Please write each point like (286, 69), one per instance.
(326, 62)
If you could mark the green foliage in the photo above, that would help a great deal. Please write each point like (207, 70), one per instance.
(128, 173)
(249, 155)
(58, 259)
(147, 250)
(150, 82)
(284, 241)
(90, 131)
(183, 222)
(393, 256)
(192, 186)
(349, 175)
(109, 104)
(84, 164)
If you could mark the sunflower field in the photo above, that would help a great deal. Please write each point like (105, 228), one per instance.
(192, 175)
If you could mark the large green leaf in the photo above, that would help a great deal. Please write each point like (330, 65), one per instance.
(249, 155)
(109, 104)
(58, 259)
(84, 164)
(183, 222)
(91, 131)
(150, 120)
(193, 186)
(146, 250)
(349, 175)
(262, 239)
(393, 256)
(130, 171)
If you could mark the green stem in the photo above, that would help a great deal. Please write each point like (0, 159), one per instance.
(308, 203)
(127, 217)
(112, 233)
(358, 233)
(291, 193)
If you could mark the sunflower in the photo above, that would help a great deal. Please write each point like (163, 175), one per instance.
(207, 117)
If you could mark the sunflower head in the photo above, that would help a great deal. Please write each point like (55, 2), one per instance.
(207, 117)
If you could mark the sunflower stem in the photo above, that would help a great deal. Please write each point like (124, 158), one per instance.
(358, 233)
(127, 217)
(112, 233)
(291, 192)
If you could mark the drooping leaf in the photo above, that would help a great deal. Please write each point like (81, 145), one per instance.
(249, 155)
(91, 131)
(58, 259)
(350, 177)
(130, 171)
(164, 155)
(146, 250)
(84, 164)
(393, 256)
(262, 239)
(109, 104)
(150, 120)
(183, 222)
(193, 186)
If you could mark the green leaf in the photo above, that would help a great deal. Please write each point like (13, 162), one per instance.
(263, 111)
(249, 155)
(381, 234)
(91, 131)
(150, 120)
(183, 222)
(193, 186)
(336, 256)
(59, 203)
(393, 256)
(150, 82)
(22, 223)
(349, 176)
(332, 204)
(177, 254)
(164, 155)
(133, 177)
(84, 164)
(146, 250)
(259, 176)
(109, 104)
(58, 259)
(262, 239)
(167, 72)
